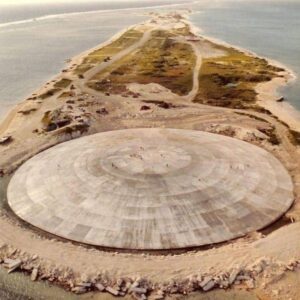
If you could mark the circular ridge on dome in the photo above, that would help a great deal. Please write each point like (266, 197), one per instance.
(151, 189)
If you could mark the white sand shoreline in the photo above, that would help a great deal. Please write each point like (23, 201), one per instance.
(8, 116)
(268, 92)
(60, 15)
(242, 254)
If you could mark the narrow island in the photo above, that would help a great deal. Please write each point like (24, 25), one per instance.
(157, 74)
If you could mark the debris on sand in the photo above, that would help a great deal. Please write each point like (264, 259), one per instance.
(12, 264)
(100, 287)
(27, 111)
(79, 290)
(55, 119)
(112, 291)
(145, 107)
(6, 140)
(34, 274)
(161, 104)
(103, 111)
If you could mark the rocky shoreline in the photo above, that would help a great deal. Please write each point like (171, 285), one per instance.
(139, 288)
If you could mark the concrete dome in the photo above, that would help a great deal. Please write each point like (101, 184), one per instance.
(151, 189)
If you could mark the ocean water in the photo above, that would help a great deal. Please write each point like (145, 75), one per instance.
(270, 28)
(24, 12)
(31, 53)
(35, 40)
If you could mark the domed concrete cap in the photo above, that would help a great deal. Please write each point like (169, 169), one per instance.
(151, 189)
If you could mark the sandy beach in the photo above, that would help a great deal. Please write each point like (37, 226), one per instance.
(268, 93)
(257, 262)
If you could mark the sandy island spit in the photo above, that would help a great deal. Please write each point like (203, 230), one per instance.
(156, 74)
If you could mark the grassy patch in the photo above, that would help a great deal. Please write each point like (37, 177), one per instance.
(63, 83)
(230, 80)
(161, 60)
(184, 31)
(98, 56)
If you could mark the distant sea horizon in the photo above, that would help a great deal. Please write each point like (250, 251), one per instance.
(36, 40)
(15, 14)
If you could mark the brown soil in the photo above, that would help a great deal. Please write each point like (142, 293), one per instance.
(66, 263)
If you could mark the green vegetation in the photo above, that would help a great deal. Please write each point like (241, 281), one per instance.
(100, 55)
(161, 60)
(57, 87)
(63, 83)
(230, 80)
(183, 31)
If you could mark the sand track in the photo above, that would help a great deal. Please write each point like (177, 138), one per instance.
(281, 246)
(156, 268)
